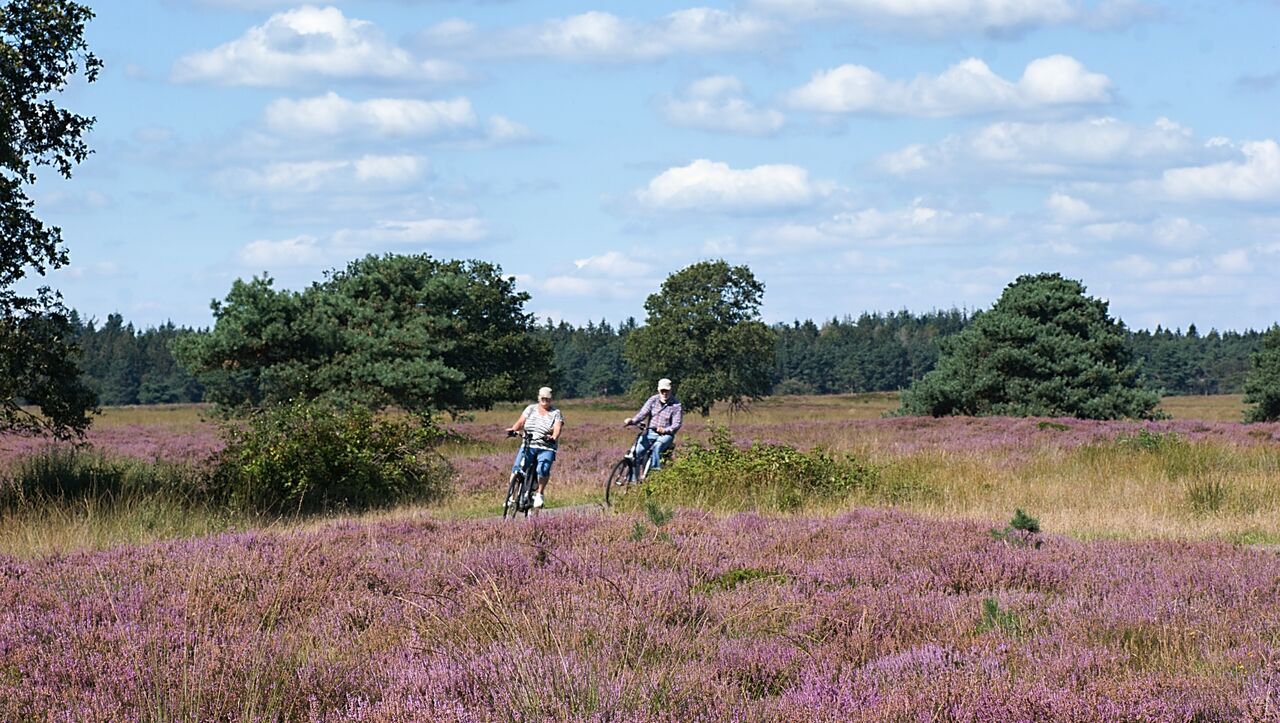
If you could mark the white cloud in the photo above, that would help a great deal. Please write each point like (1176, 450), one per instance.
(708, 185)
(1256, 178)
(1233, 262)
(313, 176)
(918, 223)
(414, 232)
(602, 36)
(966, 88)
(613, 264)
(332, 115)
(1089, 147)
(715, 104)
(297, 251)
(932, 17)
(344, 244)
(308, 43)
(1066, 209)
(1178, 233)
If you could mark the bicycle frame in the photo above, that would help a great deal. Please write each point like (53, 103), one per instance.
(523, 482)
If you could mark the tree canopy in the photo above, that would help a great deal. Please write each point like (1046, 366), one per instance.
(42, 47)
(1262, 389)
(1044, 349)
(704, 332)
(413, 332)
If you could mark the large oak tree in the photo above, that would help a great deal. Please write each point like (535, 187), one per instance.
(42, 48)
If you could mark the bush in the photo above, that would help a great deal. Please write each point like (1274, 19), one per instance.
(765, 476)
(309, 457)
(63, 473)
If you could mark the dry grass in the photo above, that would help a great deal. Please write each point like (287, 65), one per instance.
(1189, 491)
(1217, 408)
(1199, 491)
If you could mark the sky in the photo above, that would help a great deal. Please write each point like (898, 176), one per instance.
(857, 155)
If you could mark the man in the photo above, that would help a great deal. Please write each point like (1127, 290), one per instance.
(662, 415)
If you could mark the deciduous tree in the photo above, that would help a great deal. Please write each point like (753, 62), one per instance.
(704, 332)
(42, 47)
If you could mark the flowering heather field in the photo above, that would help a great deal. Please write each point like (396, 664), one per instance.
(872, 615)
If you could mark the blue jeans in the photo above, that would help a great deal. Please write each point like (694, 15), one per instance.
(544, 456)
(654, 444)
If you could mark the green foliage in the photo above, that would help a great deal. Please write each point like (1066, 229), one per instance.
(765, 476)
(63, 473)
(308, 457)
(1044, 349)
(873, 352)
(589, 360)
(1022, 530)
(1174, 362)
(993, 618)
(38, 367)
(1147, 440)
(1262, 389)
(124, 366)
(42, 48)
(412, 332)
(1024, 522)
(703, 332)
(731, 579)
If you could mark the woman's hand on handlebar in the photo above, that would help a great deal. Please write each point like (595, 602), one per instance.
(512, 433)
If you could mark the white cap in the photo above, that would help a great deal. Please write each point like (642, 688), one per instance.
(664, 384)
(544, 392)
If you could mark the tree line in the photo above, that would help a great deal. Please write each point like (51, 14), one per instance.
(872, 352)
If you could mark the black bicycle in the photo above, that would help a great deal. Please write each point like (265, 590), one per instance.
(632, 468)
(524, 481)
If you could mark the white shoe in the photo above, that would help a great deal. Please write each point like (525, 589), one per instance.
(511, 501)
(537, 499)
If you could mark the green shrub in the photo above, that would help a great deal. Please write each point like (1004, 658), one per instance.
(765, 476)
(63, 473)
(993, 618)
(731, 579)
(1147, 440)
(310, 457)
(1023, 530)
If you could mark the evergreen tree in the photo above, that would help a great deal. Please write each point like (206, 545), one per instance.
(1263, 387)
(1044, 349)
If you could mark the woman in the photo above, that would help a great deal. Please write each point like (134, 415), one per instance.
(543, 421)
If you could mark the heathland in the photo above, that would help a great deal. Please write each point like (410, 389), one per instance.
(1147, 593)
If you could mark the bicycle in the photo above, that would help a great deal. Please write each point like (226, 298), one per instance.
(632, 468)
(524, 481)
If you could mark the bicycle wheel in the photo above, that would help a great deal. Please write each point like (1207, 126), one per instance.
(524, 501)
(513, 489)
(616, 483)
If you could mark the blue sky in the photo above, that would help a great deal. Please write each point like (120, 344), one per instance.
(856, 154)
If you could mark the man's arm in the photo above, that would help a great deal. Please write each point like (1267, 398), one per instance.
(677, 418)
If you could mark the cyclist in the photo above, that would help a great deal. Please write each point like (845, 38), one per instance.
(544, 422)
(663, 415)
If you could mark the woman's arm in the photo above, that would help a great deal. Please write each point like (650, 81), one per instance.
(555, 430)
(519, 425)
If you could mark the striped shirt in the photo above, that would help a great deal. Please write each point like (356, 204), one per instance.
(669, 416)
(540, 425)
